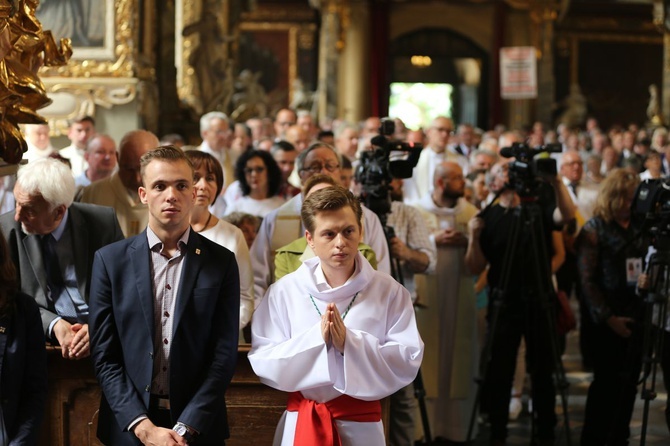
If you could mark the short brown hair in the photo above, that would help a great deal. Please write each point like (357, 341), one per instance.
(319, 178)
(210, 164)
(164, 153)
(328, 199)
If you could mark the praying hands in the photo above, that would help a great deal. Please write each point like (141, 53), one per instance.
(333, 329)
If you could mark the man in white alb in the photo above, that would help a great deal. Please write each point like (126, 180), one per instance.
(336, 333)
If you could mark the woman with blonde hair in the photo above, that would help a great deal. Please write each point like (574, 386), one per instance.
(609, 262)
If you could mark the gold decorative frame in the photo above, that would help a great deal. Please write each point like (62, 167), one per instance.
(115, 61)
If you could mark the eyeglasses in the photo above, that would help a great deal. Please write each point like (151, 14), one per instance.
(317, 168)
(250, 170)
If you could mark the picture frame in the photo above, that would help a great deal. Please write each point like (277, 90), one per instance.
(107, 50)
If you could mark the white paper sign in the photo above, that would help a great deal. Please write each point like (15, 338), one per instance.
(518, 72)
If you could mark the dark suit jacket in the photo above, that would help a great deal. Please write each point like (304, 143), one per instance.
(91, 226)
(204, 342)
(23, 360)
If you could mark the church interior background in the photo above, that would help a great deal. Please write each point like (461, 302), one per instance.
(160, 64)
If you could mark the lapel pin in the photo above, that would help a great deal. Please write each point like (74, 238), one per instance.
(2, 329)
(197, 251)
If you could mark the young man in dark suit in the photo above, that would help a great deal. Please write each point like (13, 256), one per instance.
(164, 320)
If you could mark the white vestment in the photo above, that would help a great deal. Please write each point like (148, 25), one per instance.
(382, 353)
(267, 242)
(76, 157)
(449, 326)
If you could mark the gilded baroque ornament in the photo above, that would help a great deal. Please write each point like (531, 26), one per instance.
(204, 80)
(24, 48)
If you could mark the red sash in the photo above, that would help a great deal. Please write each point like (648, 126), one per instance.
(316, 421)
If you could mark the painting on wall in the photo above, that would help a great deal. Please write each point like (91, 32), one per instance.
(277, 53)
(89, 24)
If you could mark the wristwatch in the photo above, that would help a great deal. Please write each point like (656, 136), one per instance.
(184, 431)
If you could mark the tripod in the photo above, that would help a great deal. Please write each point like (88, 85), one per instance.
(527, 221)
(656, 307)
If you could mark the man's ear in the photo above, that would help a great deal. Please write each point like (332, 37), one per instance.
(310, 240)
(142, 192)
(59, 212)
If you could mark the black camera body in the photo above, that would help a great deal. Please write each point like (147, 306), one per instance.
(527, 169)
(387, 160)
(650, 211)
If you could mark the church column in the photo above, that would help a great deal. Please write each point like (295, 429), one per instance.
(352, 86)
(666, 74)
(544, 18)
(328, 60)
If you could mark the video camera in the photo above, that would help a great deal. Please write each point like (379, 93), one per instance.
(650, 211)
(388, 159)
(526, 169)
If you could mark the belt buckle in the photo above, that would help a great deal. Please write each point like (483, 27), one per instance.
(162, 403)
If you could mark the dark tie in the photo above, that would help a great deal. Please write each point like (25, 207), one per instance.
(56, 286)
(573, 188)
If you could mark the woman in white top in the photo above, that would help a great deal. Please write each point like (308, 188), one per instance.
(208, 179)
(259, 179)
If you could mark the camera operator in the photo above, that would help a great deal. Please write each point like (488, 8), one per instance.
(609, 262)
(490, 235)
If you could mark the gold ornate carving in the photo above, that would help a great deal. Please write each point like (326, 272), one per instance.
(201, 53)
(187, 13)
(24, 47)
(122, 62)
(73, 98)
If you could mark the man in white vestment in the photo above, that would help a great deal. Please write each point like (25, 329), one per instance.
(421, 183)
(449, 323)
(38, 141)
(281, 226)
(79, 133)
(337, 334)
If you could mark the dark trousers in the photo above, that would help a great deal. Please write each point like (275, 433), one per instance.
(513, 323)
(611, 398)
(567, 278)
(665, 365)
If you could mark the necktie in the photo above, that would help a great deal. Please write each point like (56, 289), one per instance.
(573, 188)
(56, 286)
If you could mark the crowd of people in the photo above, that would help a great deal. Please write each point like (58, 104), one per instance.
(156, 258)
